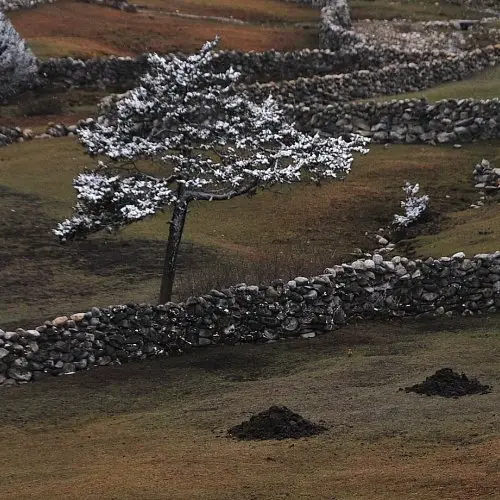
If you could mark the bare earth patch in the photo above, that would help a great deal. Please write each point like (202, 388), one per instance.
(449, 384)
(278, 422)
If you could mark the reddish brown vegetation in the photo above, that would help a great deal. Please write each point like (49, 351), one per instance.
(255, 11)
(80, 29)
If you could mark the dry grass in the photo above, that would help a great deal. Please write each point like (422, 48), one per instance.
(282, 232)
(422, 10)
(72, 104)
(76, 29)
(156, 430)
(257, 11)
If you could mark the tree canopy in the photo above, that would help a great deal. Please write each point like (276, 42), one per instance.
(18, 65)
(211, 141)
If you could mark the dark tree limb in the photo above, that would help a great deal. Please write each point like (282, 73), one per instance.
(233, 193)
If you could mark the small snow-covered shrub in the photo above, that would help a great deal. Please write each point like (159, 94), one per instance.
(414, 206)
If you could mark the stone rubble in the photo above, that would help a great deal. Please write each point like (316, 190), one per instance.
(487, 181)
(487, 178)
(10, 135)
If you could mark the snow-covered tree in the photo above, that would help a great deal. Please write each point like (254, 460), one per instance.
(212, 143)
(18, 65)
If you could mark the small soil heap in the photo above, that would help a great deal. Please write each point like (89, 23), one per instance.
(278, 422)
(449, 384)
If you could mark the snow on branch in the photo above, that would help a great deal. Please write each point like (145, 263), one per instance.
(214, 141)
(414, 206)
(108, 202)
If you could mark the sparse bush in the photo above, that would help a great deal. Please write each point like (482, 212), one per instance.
(225, 271)
(414, 206)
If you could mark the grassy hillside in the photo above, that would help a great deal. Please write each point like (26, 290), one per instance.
(72, 28)
(299, 229)
(157, 429)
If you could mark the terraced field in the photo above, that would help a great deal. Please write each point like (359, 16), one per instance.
(157, 429)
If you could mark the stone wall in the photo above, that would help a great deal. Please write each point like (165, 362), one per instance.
(114, 4)
(10, 135)
(425, 68)
(124, 72)
(335, 27)
(474, 4)
(392, 79)
(487, 178)
(407, 121)
(243, 313)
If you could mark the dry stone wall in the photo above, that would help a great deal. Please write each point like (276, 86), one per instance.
(303, 307)
(124, 72)
(405, 70)
(474, 4)
(487, 178)
(10, 135)
(407, 121)
(392, 79)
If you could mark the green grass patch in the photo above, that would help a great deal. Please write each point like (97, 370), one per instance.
(471, 231)
(423, 10)
(483, 85)
(288, 214)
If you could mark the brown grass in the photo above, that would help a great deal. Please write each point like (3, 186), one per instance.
(72, 104)
(257, 11)
(156, 430)
(82, 30)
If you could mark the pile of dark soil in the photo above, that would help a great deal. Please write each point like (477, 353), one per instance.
(449, 384)
(278, 422)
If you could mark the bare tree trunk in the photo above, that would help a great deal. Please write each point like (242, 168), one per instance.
(172, 250)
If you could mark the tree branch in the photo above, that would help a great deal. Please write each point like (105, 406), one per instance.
(203, 196)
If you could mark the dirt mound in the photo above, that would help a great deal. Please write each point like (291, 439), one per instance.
(449, 384)
(278, 422)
